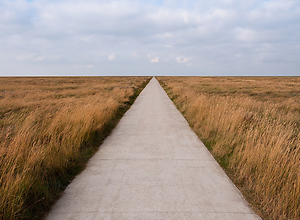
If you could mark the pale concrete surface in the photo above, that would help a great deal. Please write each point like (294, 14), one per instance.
(152, 166)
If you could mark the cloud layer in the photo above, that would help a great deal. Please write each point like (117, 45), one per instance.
(130, 37)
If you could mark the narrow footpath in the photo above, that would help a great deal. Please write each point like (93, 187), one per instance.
(152, 166)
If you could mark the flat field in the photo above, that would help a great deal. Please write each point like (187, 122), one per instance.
(251, 126)
(49, 127)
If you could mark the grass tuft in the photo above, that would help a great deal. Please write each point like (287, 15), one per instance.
(251, 125)
(49, 127)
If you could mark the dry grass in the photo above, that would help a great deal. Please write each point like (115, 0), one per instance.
(251, 125)
(48, 128)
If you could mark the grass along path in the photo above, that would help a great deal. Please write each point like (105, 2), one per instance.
(251, 126)
(49, 127)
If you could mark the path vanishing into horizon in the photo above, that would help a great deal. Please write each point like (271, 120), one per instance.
(152, 166)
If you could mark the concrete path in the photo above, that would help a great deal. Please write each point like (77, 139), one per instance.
(152, 166)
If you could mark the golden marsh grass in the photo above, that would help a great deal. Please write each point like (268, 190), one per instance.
(251, 125)
(48, 128)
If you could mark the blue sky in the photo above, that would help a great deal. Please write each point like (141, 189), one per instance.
(131, 37)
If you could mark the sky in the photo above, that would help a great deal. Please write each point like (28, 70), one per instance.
(139, 37)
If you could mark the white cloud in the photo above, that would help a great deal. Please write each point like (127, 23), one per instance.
(155, 60)
(111, 57)
(246, 35)
(275, 12)
(182, 59)
(218, 14)
(135, 54)
(56, 34)
(39, 58)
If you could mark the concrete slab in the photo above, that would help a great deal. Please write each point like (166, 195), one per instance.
(152, 166)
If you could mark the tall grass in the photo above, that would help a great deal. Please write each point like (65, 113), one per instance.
(251, 126)
(48, 129)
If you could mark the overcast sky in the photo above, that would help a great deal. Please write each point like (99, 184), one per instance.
(131, 37)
